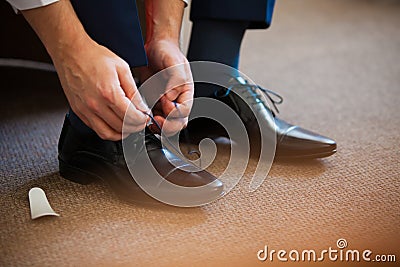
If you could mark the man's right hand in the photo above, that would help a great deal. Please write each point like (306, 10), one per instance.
(98, 84)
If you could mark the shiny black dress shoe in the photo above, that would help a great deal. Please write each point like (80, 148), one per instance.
(292, 142)
(84, 158)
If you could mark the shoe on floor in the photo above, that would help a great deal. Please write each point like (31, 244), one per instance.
(84, 158)
(292, 142)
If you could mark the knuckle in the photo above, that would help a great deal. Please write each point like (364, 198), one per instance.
(137, 128)
(102, 135)
(93, 105)
(135, 118)
(115, 137)
(124, 65)
(107, 95)
(106, 135)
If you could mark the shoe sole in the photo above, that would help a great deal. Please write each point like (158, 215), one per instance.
(309, 156)
(75, 174)
(83, 177)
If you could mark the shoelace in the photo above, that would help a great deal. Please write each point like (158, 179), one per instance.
(170, 144)
(273, 97)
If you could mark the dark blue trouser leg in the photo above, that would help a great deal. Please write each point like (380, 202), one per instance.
(217, 41)
(115, 25)
(218, 29)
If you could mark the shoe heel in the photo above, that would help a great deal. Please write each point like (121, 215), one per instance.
(75, 175)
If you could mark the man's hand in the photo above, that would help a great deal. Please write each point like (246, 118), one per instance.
(163, 25)
(97, 83)
(173, 108)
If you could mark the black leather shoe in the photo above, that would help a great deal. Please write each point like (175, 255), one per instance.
(84, 158)
(292, 141)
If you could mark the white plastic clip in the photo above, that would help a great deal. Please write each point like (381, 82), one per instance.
(39, 204)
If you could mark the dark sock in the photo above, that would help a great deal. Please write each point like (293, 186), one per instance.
(217, 41)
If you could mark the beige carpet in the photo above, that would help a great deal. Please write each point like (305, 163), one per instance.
(337, 65)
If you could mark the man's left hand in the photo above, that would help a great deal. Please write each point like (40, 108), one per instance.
(173, 108)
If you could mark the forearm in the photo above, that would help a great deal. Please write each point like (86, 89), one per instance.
(163, 26)
(58, 27)
(163, 20)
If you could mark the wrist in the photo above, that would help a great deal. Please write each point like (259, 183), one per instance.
(164, 34)
(69, 45)
(163, 20)
(58, 27)
(160, 41)
(68, 37)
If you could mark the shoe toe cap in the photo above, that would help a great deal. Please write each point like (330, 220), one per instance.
(304, 143)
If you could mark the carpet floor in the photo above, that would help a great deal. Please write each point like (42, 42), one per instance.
(337, 65)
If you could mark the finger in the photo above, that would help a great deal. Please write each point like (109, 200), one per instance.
(127, 130)
(185, 102)
(109, 117)
(125, 78)
(177, 108)
(98, 125)
(153, 128)
(138, 102)
(126, 110)
(83, 117)
(170, 126)
(158, 125)
(128, 86)
(179, 75)
(120, 106)
(157, 108)
(131, 124)
(103, 130)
